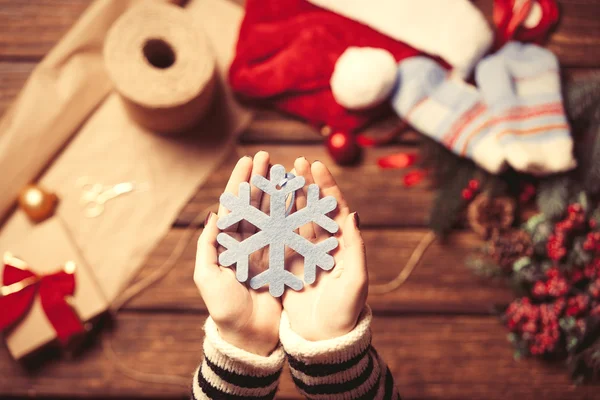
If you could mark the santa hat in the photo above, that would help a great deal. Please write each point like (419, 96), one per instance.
(286, 54)
(453, 30)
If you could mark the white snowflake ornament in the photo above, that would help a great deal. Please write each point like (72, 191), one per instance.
(277, 231)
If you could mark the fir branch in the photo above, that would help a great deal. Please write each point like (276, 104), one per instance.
(590, 160)
(449, 201)
(553, 196)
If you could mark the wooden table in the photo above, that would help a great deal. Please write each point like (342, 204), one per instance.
(436, 332)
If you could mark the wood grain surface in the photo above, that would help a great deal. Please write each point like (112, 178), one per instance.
(437, 332)
(431, 357)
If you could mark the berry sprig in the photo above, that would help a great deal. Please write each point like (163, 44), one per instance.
(559, 241)
(536, 324)
(471, 190)
(555, 286)
(592, 242)
(527, 194)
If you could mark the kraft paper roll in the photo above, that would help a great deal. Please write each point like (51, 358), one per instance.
(162, 66)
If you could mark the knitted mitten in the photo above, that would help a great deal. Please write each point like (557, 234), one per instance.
(521, 88)
(448, 110)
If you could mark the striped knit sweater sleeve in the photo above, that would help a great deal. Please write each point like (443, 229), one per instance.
(228, 372)
(347, 367)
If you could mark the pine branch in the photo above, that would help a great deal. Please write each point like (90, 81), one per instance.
(449, 201)
(590, 162)
(581, 95)
(554, 195)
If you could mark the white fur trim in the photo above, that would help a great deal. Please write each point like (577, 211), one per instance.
(363, 77)
(455, 30)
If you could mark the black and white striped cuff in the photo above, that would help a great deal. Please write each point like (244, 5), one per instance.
(228, 372)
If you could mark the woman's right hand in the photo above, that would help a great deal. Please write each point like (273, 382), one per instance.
(246, 318)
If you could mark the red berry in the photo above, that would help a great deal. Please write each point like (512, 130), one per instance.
(467, 194)
(539, 289)
(474, 185)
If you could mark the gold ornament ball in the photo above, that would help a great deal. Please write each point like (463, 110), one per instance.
(37, 203)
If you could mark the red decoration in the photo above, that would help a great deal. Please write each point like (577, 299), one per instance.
(467, 194)
(509, 16)
(527, 193)
(368, 141)
(343, 148)
(52, 289)
(286, 53)
(396, 161)
(474, 185)
(414, 177)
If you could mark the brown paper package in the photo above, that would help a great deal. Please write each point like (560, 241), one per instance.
(69, 94)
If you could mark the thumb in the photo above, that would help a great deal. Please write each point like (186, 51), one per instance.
(355, 264)
(207, 253)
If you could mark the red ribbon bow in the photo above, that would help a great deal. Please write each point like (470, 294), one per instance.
(20, 287)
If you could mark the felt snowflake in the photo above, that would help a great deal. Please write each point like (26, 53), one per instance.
(277, 230)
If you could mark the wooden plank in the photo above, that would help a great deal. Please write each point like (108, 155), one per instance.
(12, 78)
(29, 29)
(431, 357)
(378, 195)
(268, 127)
(271, 126)
(441, 283)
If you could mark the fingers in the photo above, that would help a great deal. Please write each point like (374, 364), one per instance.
(207, 253)
(302, 168)
(265, 201)
(355, 264)
(241, 173)
(329, 187)
(260, 166)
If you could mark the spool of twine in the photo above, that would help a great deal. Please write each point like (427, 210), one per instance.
(162, 66)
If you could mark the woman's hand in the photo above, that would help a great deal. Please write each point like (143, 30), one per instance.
(330, 307)
(246, 318)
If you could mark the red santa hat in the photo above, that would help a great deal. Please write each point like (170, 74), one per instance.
(287, 52)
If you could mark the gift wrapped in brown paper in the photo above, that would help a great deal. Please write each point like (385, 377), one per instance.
(47, 292)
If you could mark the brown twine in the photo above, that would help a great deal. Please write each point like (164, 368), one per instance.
(409, 267)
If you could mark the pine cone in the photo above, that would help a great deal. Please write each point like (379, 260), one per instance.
(487, 215)
(508, 247)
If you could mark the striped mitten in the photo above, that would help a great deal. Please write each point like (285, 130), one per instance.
(520, 85)
(448, 110)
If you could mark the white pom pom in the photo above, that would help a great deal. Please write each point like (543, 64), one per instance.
(363, 77)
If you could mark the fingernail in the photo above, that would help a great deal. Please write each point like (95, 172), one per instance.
(208, 217)
(356, 220)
